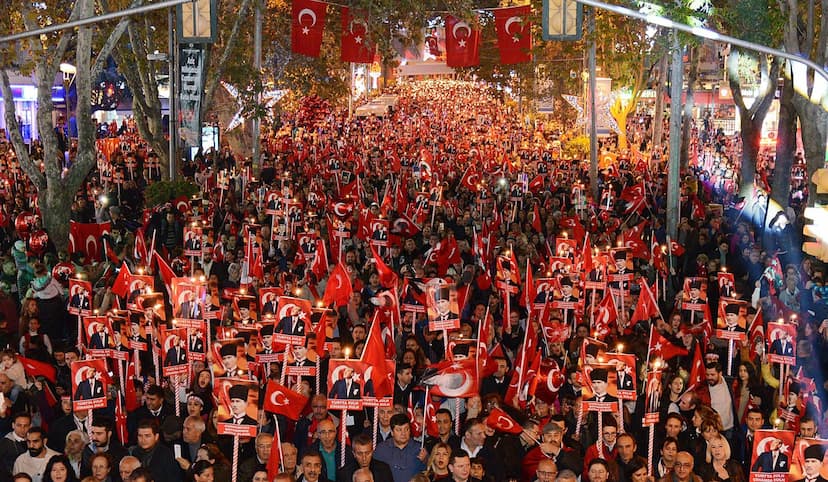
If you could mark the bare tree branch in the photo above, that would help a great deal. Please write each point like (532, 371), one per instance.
(214, 79)
(113, 39)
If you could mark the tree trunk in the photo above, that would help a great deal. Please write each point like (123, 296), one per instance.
(620, 114)
(751, 134)
(785, 146)
(55, 214)
(814, 127)
(687, 115)
(658, 119)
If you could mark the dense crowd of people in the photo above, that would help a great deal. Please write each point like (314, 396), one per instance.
(447, 198)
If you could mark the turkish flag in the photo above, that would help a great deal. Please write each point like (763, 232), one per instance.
(338, 289)
(35, 368)
(139, 250)
(536, 221)
(342, 209)
(356, 43)
(453, 379)
(537, 183)
(430, 417)
(574, 224)
(587, 262)
(416, 427)
(676, 249)
(121, 285)
(282, 400)
(374, 355)
(606, 313)
(404, 226)
(121, 420)
(647, 307)
(514, 34)
(462, 43)
(696, 378)
(529, 291)
(387, 276)
(470, 179)
(130, 394)
(637, 246)
(86, 238)
(182, 203)
(307, 27)
(661, 347)
(502, 422)
(635, 196)
(167, 273)
(319, 265)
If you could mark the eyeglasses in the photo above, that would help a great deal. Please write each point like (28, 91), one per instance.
(610, 434)
(544, 473)
(686, 465)
(327, 431)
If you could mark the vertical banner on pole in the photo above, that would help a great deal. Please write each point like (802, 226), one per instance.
(191, 87)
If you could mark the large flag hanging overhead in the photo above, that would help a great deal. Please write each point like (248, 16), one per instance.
(307, 27)
(462, 43)
(514, 34)
(356, 42)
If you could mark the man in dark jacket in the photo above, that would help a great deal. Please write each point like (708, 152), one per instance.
(157, 457)
(101, 440)
(14, 443)
(364, 458)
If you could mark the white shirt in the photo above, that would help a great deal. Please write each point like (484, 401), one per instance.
(472, 453)
(721, 402)
(34, 466)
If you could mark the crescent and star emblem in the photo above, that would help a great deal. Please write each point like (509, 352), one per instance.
(279, 399)
(461, 26)
(302, 13)
(508, 26)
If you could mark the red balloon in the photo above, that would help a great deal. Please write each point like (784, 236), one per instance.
(38, 241)
(63, 271)
(24, 223)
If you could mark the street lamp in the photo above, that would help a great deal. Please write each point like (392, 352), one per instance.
(69, 71)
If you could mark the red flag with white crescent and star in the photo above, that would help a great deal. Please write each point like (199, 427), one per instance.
(470, 180)
(34, 368)
(453, 379)
(647, 306)
(636, 198)
(357, 46)
(756, 333)
(374, 355)
(86, 238)
(502, 422)
(462, 43)
(339, 288)
(121, 285)
(696, 378)
(319, 265)
(606, 313)
(430, 417)
(661, 347)
(514, 34)
(121, 420)
(416, 427)
(281, 400)
(307, 27)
